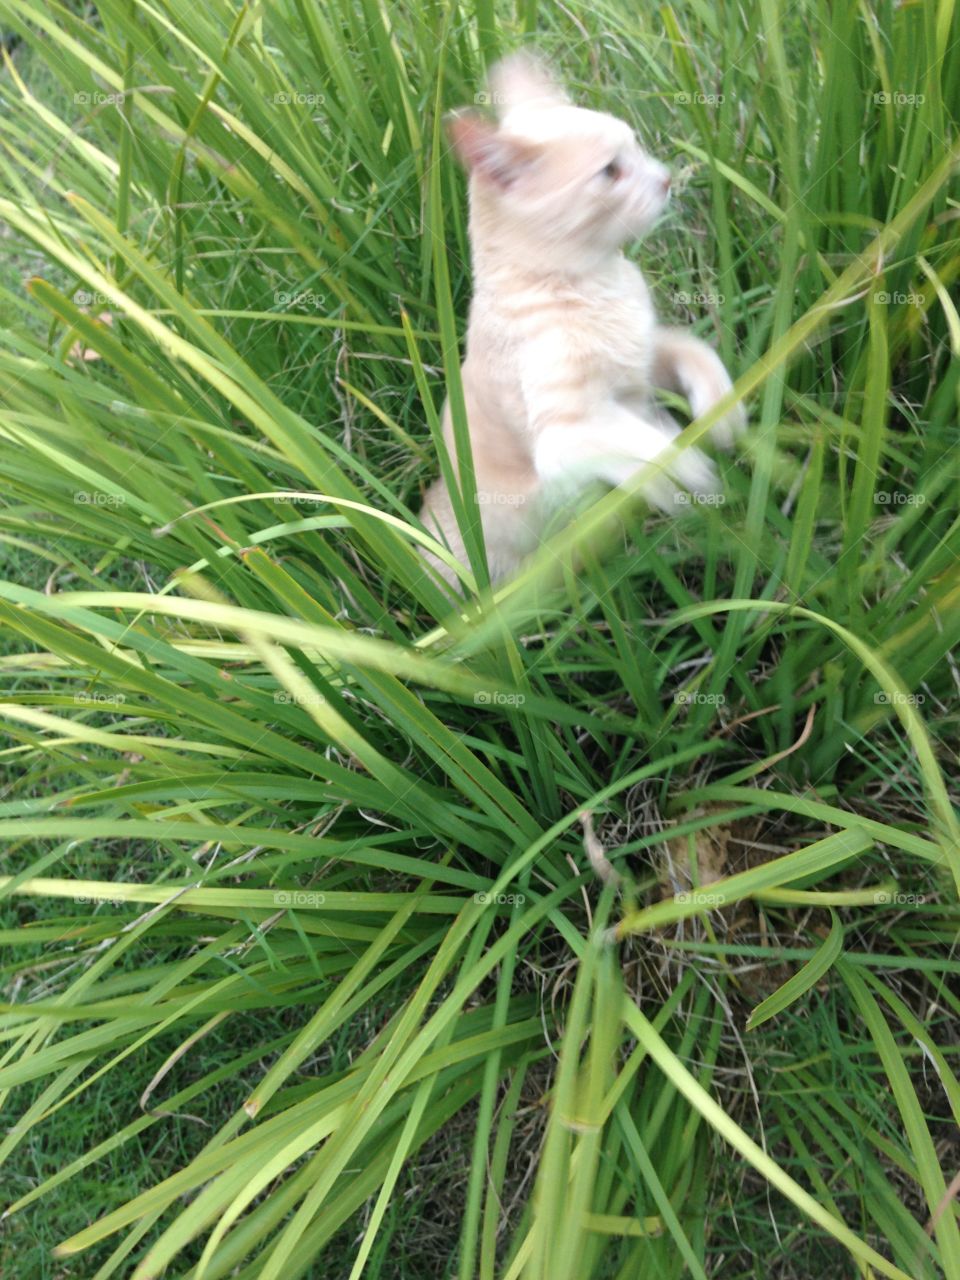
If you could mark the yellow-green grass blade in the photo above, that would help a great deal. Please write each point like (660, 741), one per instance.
(681, 1078)
(929, 1171)
(801, 982)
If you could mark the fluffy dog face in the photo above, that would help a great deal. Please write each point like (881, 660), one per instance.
(553, 176)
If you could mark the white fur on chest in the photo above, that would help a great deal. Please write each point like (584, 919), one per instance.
(599, 331)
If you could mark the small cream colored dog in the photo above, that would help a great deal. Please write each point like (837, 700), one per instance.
(563, 346)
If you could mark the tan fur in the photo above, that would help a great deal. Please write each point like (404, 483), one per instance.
(563, 348)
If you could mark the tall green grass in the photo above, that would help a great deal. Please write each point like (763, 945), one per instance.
(293, 863)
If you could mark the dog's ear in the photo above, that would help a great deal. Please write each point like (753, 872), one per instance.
(486, 152)
(521, 80)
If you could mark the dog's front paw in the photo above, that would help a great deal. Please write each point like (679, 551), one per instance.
(710, 388)
(728, 428)
(689, 472)
(696, 472)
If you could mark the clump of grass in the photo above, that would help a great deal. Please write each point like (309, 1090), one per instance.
(294, 877)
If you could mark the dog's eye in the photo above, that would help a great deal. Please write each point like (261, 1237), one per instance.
(612, 171)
